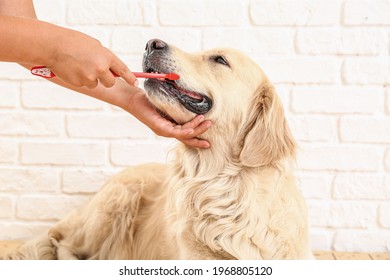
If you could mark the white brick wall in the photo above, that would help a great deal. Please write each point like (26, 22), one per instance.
(329, 60)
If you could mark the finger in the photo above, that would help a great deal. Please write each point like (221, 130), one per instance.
(198, 124)
(196, 143)
(194, 122)
(124, 72)
(203, 127)
(107, 79)
(92, 84)
(180, 132)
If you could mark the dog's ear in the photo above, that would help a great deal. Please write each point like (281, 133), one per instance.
(266, 135)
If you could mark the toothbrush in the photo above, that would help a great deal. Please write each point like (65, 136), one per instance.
(44, 72)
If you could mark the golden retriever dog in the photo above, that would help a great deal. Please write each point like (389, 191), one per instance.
(236, 200)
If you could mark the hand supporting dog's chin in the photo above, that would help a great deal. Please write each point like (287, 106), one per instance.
(187, 121)
(140, 106)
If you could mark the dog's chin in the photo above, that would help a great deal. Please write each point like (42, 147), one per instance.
(170, 109)
(175, 102)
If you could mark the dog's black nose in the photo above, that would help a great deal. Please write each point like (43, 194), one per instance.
(155, 44)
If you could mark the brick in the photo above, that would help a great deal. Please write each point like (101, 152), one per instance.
(387, 78)
(133, 40)
(9, 97)
(134, 62)
(384, 217)
(296, 13)
(321, 239)
(359, 215)
(6, 207)
(345, 42)
(22, 230)
(343, 100)
(361, 186)
(259, 40)
(370, 240)
(201, 13)
(84, 181)
(300, 70)
(44, 95)
(366, 12)
(340, 157)
(387, 160)
(306, 128)
(91, 12)
(63, 153)
(126, 153)
(318, 213)
(316, 186)
(30, 124)
(51, 11)
(387, 101)
(106, 12)
(365, 71)
(283, 92)
(136, 12)
(107, 126)
(8, 152)
(31, 207)
(101, 34)
(29, 180)
(12, 71)
(365, 130)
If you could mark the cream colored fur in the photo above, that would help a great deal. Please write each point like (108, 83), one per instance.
(236, 200)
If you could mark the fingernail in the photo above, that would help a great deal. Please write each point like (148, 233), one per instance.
(136, 83)
(200, 117)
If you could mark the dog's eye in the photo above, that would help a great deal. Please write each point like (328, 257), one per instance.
(221, 60)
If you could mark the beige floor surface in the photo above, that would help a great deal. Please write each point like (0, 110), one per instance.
(320, 255)
(327, 255)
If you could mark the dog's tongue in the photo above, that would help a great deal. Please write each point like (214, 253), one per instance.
(191, 94)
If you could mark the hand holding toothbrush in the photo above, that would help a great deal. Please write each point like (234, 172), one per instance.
(82, 64)
(81, 60)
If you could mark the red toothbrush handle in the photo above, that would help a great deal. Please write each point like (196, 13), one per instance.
(42, 71)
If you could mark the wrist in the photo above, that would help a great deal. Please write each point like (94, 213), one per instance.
(53, 43)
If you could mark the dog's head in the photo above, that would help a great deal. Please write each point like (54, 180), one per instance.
(228, 88)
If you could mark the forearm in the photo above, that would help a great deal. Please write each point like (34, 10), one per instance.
(17, 8)
(26, 40)
(20, 9)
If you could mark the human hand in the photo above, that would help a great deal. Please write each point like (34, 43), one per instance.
(81, 60)
(140, 107)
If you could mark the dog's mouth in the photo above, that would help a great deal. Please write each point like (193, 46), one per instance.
(195, 102)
